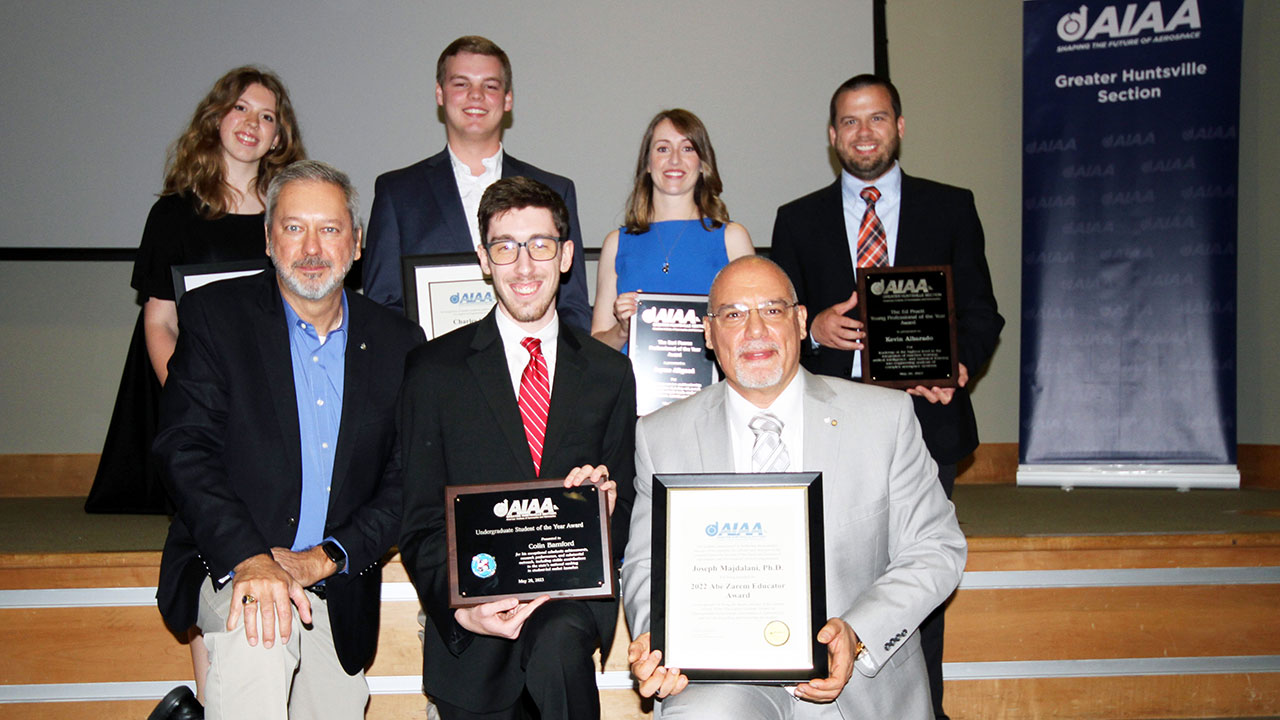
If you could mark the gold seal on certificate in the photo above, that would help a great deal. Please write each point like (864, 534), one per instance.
(738, 591)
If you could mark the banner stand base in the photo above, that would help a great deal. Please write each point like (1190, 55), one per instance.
(1181, 477)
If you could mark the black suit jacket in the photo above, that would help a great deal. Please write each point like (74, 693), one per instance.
(417, 211)
(230, 448)
(937, 225)
(460, 425)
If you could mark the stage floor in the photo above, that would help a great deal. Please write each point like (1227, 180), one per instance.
(53, 525)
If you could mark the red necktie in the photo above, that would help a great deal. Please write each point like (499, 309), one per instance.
(873, 250)
(535, 399)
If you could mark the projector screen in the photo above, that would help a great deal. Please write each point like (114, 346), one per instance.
(96, 92)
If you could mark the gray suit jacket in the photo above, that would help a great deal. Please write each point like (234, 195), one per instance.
(894, 550)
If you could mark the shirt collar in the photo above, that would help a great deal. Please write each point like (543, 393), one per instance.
(295, 321)
(889, 184)
(492, 165)
(787, 406)
(512, 333)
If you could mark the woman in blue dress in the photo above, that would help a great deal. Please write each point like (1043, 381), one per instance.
(677, 234)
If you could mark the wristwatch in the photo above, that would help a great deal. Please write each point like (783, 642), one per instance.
(335, 553)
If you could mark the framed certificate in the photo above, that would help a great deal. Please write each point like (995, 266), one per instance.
(910, 320)
(190, 277)
(738, 590)
(445, 292)
(527, 539)
(667, 349)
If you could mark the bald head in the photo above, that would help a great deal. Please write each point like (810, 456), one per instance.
(755, 328)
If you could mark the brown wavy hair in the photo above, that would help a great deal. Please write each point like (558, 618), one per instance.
(706, 193)
(195, 164)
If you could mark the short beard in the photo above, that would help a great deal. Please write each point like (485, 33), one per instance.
(757, 379)
(313, 291)
(870, 172)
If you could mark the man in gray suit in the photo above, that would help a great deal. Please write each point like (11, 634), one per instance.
(893, 547)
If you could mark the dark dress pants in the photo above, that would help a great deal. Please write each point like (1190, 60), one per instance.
(556, 647)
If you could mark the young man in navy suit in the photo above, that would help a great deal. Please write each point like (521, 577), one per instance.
(430, 207)
(822, 237)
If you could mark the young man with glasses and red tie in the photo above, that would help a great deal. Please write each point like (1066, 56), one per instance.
(519, 395)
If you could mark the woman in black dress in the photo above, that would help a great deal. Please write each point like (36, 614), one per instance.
(210, 210)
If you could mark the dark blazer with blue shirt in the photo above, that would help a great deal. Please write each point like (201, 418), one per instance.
(230, 450)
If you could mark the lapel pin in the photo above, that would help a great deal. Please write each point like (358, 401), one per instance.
(362, 346)
(831, 420)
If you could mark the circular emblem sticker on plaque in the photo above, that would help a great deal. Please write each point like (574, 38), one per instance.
(484, 565)
(777, 633)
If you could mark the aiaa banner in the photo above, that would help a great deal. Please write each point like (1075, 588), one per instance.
(1130, 155)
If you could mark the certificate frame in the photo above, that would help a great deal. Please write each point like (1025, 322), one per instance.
(456, 276)
(607, 582)
(875, 301)
(191, 276)
(807, 659)
(673, 322)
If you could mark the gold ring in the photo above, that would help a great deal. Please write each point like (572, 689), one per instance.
(248, 599)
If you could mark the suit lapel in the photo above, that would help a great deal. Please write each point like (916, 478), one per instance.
(566, 391)
(909, 233)
(488, 363)
(715, 451)
(822, 437)
(355, 395)
(444, 188)
(277, 366)
(837, 235)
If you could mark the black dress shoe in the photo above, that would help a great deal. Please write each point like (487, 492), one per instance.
(179, 704)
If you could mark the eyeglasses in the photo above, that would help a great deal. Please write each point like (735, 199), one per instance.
(736, 314)
(505, 252)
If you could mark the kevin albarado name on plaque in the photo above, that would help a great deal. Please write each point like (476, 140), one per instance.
(527, 539)
(909, 317)
(738, 591)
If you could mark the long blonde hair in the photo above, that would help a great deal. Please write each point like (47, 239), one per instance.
(706, 193)
(195, 163)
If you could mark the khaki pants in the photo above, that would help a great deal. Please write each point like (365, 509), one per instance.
(299, 679)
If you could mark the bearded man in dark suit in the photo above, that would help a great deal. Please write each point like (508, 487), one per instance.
(821, 238)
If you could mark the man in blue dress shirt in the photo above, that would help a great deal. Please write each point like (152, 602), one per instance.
(277, 437)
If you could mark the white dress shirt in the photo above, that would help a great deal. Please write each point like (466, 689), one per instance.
(788, 407)
(471, 187)
(518, 357)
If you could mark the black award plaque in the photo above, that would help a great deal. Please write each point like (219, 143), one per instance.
(667, 349)
(527, 539)
(909, 317)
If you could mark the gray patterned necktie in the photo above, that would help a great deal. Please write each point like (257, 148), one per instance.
(768, 454)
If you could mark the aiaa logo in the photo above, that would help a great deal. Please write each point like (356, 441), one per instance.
(525, 509)
(466, 298)
(669, 316)
(1075, 25)
(899, 287)
(735, 529)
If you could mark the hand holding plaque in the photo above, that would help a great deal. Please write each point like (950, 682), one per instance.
(908, 314)
(528, 539)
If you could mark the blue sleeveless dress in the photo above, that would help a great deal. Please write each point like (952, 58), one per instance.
(694, 255)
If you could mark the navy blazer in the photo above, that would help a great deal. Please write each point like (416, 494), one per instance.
(460, 425)
(230, 449)
(417, 211)
(937, 225)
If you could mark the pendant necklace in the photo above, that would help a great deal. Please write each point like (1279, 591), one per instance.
(666, 262)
